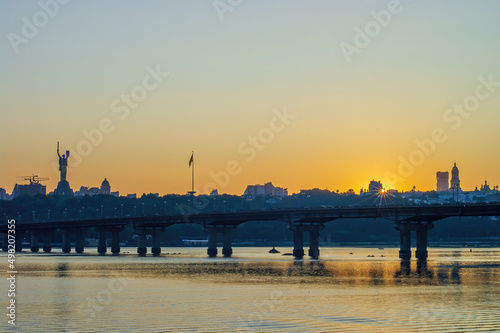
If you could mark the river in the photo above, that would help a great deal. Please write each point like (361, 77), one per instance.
(346, 290)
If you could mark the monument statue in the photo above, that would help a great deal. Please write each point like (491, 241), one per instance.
(63, 163)
(63, 189)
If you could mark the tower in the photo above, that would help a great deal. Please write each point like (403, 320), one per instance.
(455, 180)
(442, 181)
(105, 187)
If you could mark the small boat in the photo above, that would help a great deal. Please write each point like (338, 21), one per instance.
(273, 250)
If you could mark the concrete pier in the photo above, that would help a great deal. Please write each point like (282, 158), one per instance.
(19, 240)
(101, 242)
(314, 242)
(35, 245)
(141, 243)
(212, 242)
(227, 232)
(155, 248)
(47, 241)
(227, 251)
(79, 242)
(298, 241)
(66, 246)
(405, 229)
(404, 240)
(5, 243)
(115, 241)
(421, 229)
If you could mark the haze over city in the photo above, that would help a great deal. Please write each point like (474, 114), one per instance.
(304, 95)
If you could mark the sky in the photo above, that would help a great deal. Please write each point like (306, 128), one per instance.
(303, 94)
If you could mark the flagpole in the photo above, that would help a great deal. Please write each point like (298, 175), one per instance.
(192, 180)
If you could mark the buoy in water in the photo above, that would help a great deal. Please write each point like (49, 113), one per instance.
(273, 250)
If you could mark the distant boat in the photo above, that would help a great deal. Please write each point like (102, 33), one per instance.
(273, 250)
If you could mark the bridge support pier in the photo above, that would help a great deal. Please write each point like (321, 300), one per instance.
(212, 242)
(47, 241)
(35, 246)
(79, 247)
(313, 228)
(156, 249)
(141, 243)
(422, 228)
(115, 241)
(298, 241)
(404, 240)
(19, 240)
(314, 242)
(227, 251)
(405, 229)
(101, 242)
(212, 231)
(66, 246)
(5, 242)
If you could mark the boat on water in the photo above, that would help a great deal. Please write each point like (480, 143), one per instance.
(273, 250)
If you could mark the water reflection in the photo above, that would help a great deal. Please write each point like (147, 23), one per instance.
(310, 271)
(62, 270)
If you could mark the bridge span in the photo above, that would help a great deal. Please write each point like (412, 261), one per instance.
(406, 219)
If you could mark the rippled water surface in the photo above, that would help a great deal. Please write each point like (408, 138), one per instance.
(183, 291)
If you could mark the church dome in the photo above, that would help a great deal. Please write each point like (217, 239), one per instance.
(105, 183)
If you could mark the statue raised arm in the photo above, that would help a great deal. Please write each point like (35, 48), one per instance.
(58, 150)
(63, 163)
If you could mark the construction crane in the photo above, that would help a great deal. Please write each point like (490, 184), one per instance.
(33, 179)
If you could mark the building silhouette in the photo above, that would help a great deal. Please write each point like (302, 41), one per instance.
(375, 186)
(455, 180)
(104, 189)
(3, 194)
(442, 181)
(268, 189)
(31, 189)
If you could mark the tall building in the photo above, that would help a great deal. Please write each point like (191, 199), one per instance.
(253, 191)
(31, 189)
(442, 181)
(375, 186)
(455, 180)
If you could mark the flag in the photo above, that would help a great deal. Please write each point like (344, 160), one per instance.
(191, 160)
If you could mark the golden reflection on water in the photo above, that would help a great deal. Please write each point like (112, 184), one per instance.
(254, 292)
(394, 272)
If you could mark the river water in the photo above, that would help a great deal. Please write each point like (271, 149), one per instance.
(184, 291)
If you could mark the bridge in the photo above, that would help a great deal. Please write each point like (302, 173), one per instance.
(406, 219)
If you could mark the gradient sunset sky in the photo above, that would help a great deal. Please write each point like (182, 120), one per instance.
(231, 70)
